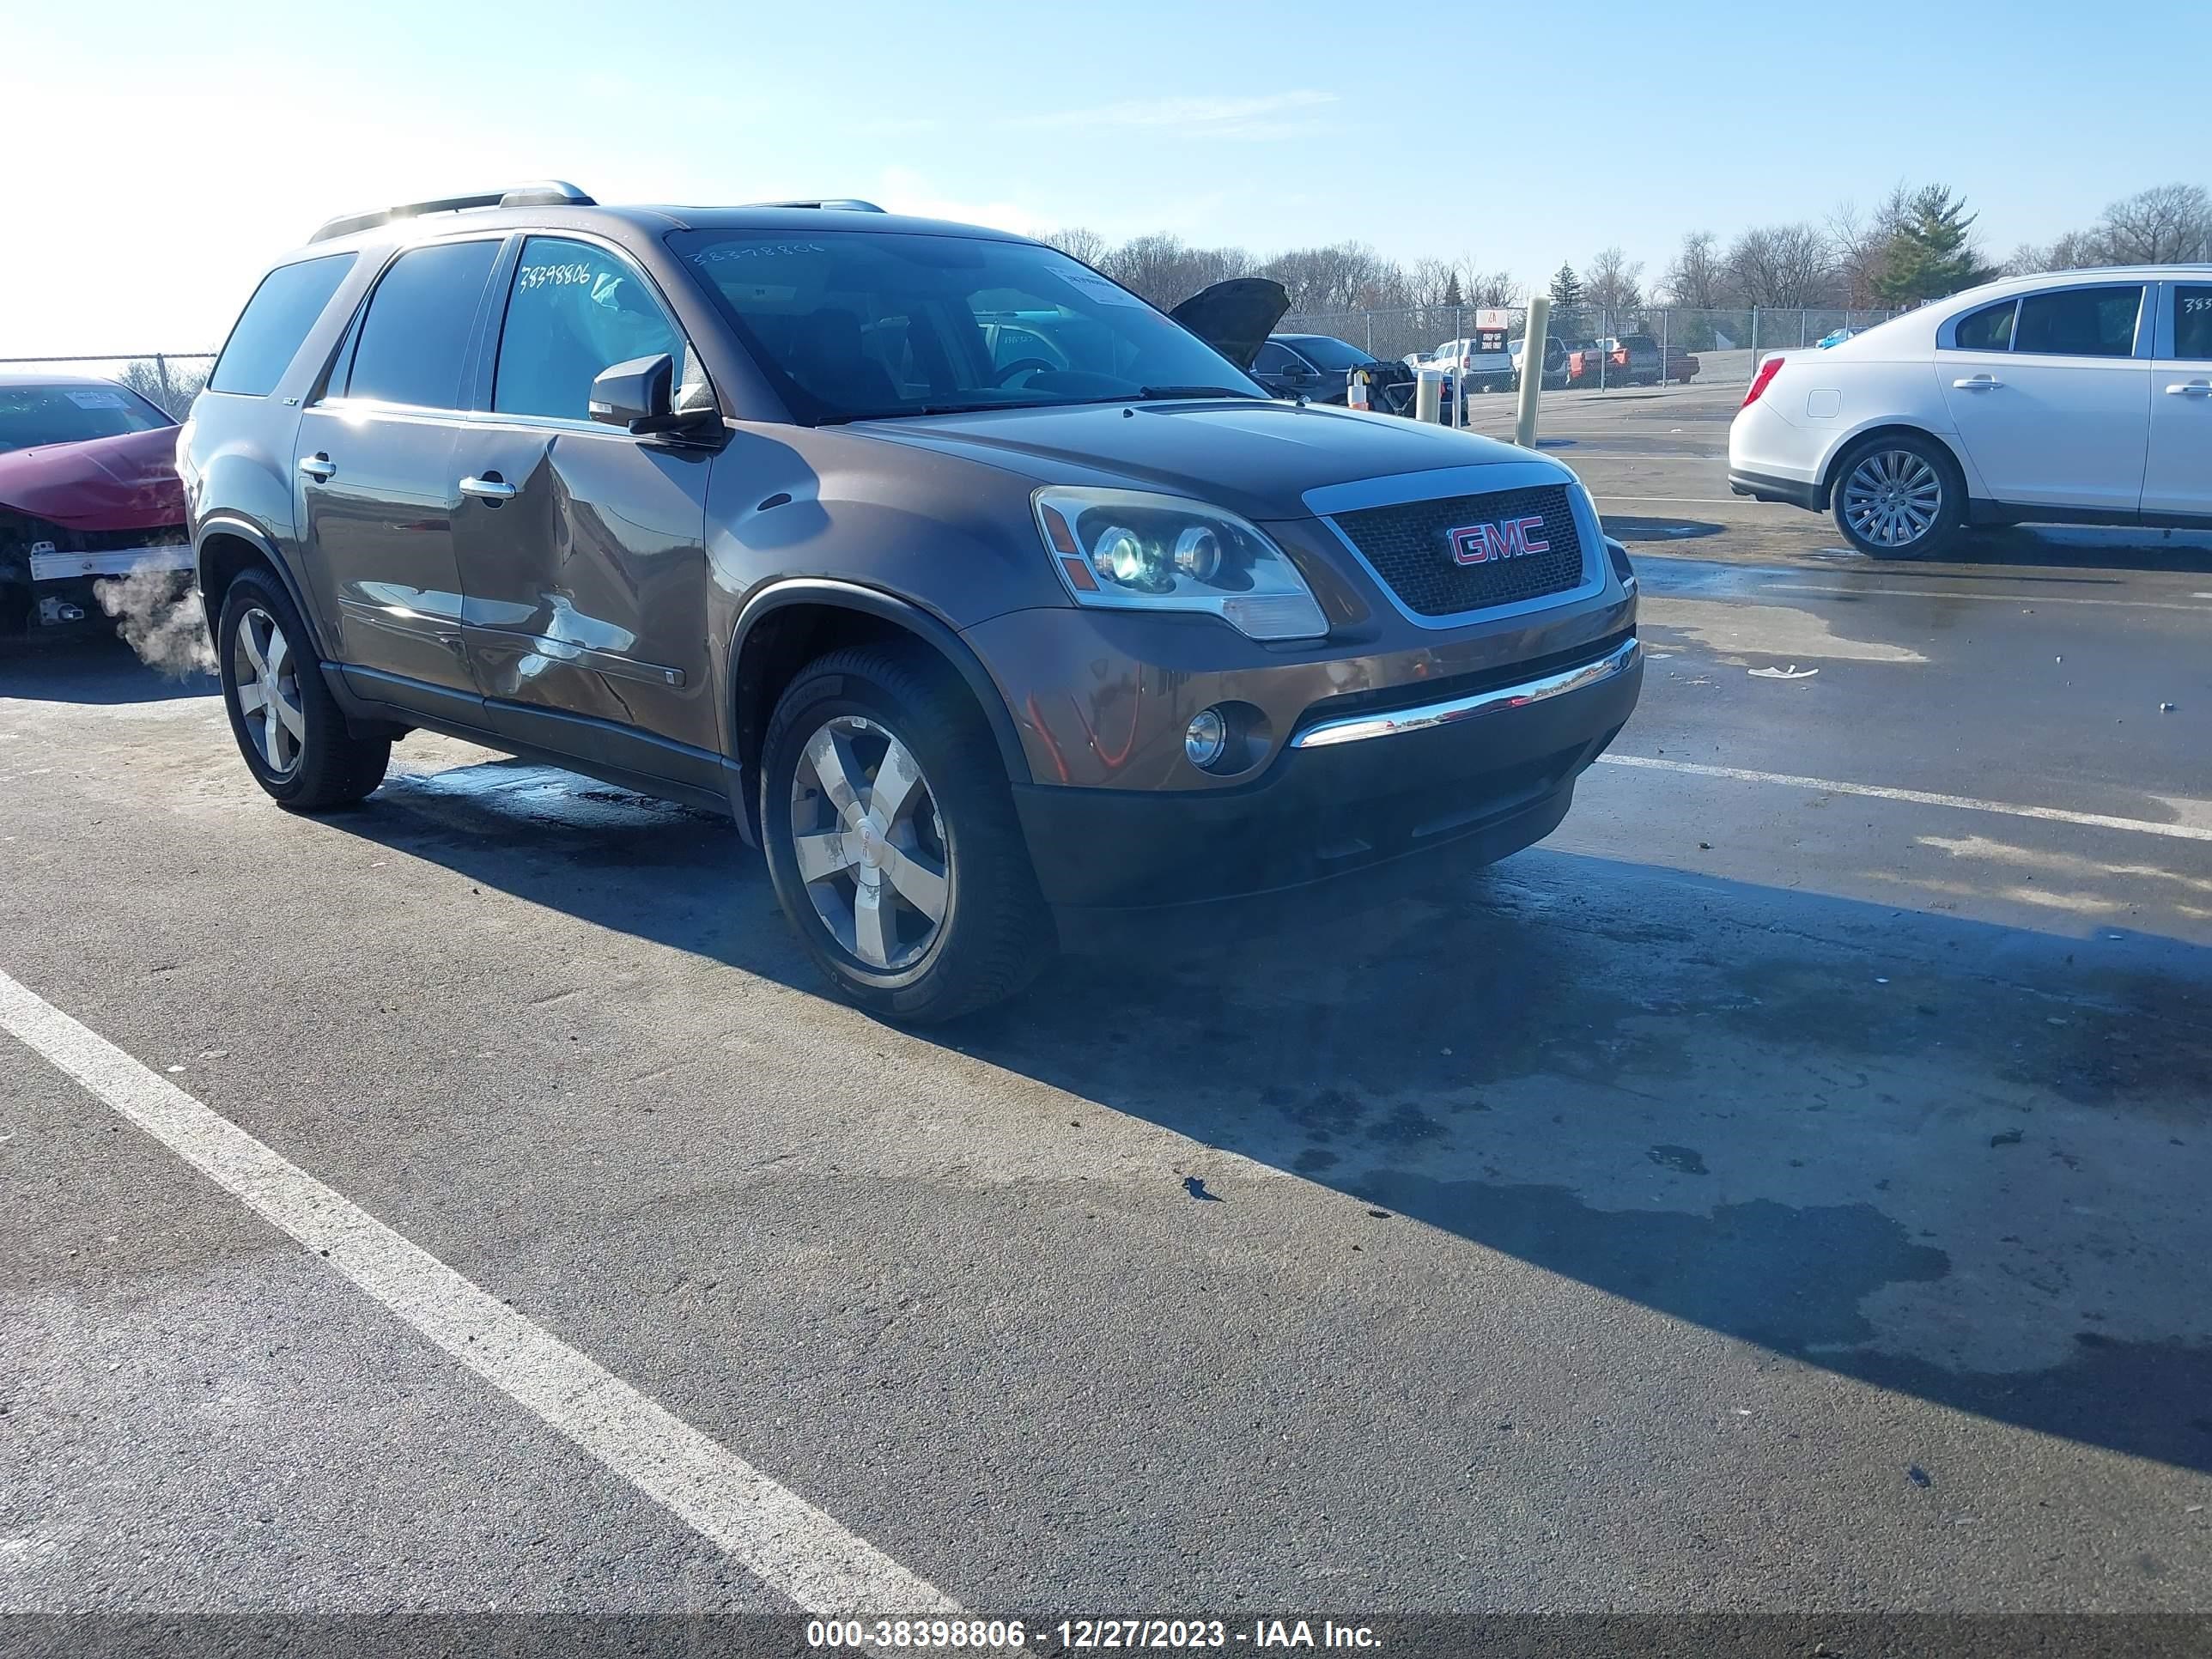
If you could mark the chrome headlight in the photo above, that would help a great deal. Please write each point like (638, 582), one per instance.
(1128, 550)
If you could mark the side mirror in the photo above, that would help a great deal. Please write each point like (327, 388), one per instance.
(639, 397)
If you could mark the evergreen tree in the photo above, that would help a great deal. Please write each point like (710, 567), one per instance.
(1452, 296)
(1932, 253)
(1566, 289)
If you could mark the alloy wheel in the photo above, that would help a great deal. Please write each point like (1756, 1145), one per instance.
(1893, 498)
(267, 678)
(870, 842)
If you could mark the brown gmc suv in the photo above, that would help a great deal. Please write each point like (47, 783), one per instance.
(983, 595)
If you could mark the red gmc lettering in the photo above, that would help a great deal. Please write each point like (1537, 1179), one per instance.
(1483, 544)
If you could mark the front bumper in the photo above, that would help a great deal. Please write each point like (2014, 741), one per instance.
(63, 565)
(1483, 773)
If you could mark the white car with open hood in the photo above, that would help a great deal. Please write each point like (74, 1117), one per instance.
(2080, 397)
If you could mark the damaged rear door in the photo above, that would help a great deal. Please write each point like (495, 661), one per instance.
(374, 468)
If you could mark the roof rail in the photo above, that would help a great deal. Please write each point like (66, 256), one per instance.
(547, 192)
(835, 204)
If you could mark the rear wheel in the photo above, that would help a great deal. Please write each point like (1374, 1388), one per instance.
(1900, 496)
(289, 727)
(892, 840)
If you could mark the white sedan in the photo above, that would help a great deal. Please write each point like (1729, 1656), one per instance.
(2082, 396)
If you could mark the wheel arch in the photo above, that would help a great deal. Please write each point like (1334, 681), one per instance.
(224, 545)
(1833, 465)
(787, 624)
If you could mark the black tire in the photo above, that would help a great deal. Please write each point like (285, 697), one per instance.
(1947, 515)
(994, 931)
(330, 766)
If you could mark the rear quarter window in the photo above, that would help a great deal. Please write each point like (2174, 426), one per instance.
(268, 331)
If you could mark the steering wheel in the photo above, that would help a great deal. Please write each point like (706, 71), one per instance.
(1018, 366)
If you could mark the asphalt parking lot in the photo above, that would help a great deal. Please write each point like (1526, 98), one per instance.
(1784, 1189)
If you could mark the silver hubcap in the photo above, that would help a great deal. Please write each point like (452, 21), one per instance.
(268, 682)
(870, 843)
(1892, 498)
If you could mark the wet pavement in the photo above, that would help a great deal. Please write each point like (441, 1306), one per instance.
(1784, 1188)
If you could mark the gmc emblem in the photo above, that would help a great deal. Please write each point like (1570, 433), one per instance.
(1484, 544)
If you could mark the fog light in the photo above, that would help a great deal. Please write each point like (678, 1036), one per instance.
(1206, 740)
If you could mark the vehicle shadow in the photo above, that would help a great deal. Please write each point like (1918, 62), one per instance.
(1961, 1161)
(1622, 528)
(93, 667)
(2087, 546)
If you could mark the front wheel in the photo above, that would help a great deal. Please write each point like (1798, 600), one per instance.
(892, 840)
(1900, 496)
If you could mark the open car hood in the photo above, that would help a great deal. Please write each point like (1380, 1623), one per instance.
(128, 482)
(1235, 317)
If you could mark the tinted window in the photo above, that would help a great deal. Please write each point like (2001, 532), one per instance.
(1273, 360)
(33, 415)
(574, 310)
(1326, 352)
(2192, 323)
(274, 323)
(415, 341)
(1989, 329)
(2080, 322)
(853, 325)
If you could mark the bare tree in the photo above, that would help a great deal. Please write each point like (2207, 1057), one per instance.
(1433, 282)
(1167, 271)
(1862, 244)
(1077, 243)
(1613, 280)
(2071, 252)
(1343, 276)
(1790, 265)
(1493, 288)
(2168, 224)
(1695, 277)
(169, 387)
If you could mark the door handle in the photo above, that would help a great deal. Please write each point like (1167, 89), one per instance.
(2190, 389)
(1978, 383)
(489, 488)
(319, 467)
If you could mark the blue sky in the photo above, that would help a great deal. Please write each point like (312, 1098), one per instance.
(1266, 125)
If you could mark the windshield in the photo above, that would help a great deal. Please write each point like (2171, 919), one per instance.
(1324, 352)
(863, 325)
(33, 414)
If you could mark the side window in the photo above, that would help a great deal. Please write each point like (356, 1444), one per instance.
(2080, 322)
(276, 320)
(2192, 323)
(574, 310)
(1989, 329)
(1273, 360)
(413, 342)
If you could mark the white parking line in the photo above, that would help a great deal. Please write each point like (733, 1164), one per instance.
(1919, 796)
(790, 1545)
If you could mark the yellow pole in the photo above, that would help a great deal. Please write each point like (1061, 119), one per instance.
(1532, 367)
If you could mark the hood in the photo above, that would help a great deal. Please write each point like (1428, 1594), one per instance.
(128, 482)
(1235, 317)
(1255, 456)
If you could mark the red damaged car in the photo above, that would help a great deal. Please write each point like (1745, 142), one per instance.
(88, 490)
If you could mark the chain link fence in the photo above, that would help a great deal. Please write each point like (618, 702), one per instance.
(169, 379)
(1597, 349)
(1593, 348)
